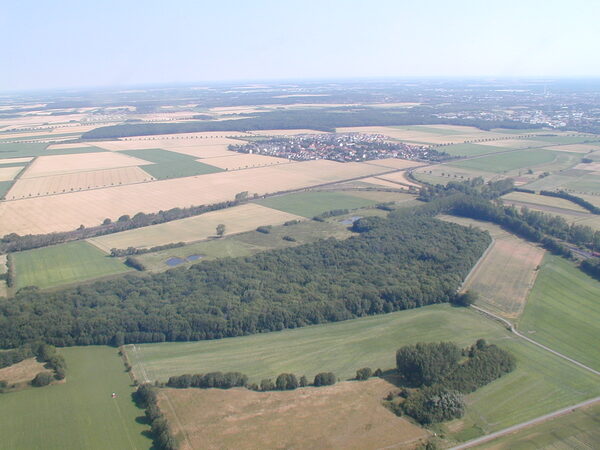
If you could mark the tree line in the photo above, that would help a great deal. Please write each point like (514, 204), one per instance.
(145, 397)
(400, 262)
(573, 198)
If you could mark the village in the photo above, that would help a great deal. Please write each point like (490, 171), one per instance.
(341, 147)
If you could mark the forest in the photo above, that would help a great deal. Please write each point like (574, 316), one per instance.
(326, 119)
(400, 262)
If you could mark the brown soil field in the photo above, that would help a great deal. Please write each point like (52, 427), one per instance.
(399, 177)
(68, 211)
(348, 415)
(395, 163)
(44, 166)
(507, 273)
(8, 173)
(15, 160)
(243, 161)
(21, 372)
(78, 181)
(236, 220)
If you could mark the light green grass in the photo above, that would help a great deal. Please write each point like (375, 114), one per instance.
(246, 244)
(563, 140)
(19, 150)
(471, 149)
(341, 347)
(310, 204)
(579, 429)
(79, 414)
(541, 383)
(563, 311)
(62, 264)
(506, 162)
(179, 169)
(549, 183)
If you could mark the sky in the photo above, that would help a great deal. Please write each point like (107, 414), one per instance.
(83, 43)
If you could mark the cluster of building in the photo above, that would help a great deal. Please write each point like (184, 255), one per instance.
(341, 147)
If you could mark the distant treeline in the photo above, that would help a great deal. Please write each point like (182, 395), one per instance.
(314, 119)
(400, 262)
(580, 201)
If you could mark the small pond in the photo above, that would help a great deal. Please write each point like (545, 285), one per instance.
(350, 220)
(175, 260)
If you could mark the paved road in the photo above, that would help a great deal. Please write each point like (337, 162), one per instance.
(520, 426)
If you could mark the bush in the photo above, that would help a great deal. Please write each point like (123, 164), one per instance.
(434, 404)
(42, 379)
(266, 229)
(324, 379)
(364, 374)
(466, 299)
(286, 381)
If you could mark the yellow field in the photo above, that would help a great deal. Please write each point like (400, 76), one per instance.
(380, 182)
(543, 201)
(79, 181)
(348, 415)
(44, 166)
(399, 177)
(243, 161)
(236, 220)
(173, 141)
(68, 211)
(395, 163)
(507, 273)
(8, 173)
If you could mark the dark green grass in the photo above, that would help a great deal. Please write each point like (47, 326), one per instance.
(506, 162)
(159, 156)
(14, 164)
(471, 149)
(310, 204)
(77, 414)
(541, 383)
(63, 264)
(563, 311)
(179, 169)
(44, 136)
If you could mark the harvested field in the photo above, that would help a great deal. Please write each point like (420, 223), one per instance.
(79, 181)
(381, 182)
(395, 163)
(8, 173)
(543, 200)
(15, 160)
(506, 275)
(243, 161)
(205, 151)
(169, 141)
(44, 166)
(400, 178)
(508, 144)
(21, 372)
(445, 134)
(68, 211)
(576, 148)
(236, 220)
(348, 415)
(592, 167)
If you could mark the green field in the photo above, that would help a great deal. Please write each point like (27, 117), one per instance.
(37, 149)
(5, 187)
(506, 162)
(563, 140)
(432, 130)
(578, 429)
(179, 169)
(159, 156)
(541, 383)
(563, 311)
(62, 264)
(310, 204)
(78, 414)
(471, 149)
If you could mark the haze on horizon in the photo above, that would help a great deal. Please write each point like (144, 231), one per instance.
(72, 44)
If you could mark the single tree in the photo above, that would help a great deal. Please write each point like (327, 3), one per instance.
(220, 230)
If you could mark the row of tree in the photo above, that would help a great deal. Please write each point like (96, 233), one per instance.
(145, 397)
(573, 198)
(130, 251)
(400, 262)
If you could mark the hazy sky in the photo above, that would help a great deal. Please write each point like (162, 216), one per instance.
(48, 44)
